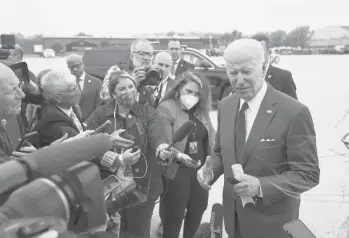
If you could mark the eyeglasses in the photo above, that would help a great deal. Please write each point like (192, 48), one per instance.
(143, 53)
(15, 89)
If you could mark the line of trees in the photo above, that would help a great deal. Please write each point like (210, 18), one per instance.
(298, 37)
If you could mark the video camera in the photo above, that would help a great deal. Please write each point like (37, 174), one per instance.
(62, 185)
(8, 42)
(153, 76)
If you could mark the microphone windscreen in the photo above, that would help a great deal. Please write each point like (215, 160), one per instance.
(58, 157)
(217, 220)
(204, 231)
(183, 131)
(36, 199)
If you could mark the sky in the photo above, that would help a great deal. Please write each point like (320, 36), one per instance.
(123, 18)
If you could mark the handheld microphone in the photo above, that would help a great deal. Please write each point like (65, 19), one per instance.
(204, 231)
(182, 132)
(102, 127)
(216, 220)
(24, 138)
(51, 160)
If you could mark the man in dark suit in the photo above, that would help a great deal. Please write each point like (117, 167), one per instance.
(11, 96)
(272, 137)
(179, 65)
(89, 86)
(163, 61)
(17, 125)
(58, 115)
(280, 79)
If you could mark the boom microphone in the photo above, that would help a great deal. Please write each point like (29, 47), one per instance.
(216, 220)
(76, 196)
(182, 132)
(52, 160)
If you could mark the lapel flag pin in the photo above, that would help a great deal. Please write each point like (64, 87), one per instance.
(89, 81)
(269, 76)
(268, 111)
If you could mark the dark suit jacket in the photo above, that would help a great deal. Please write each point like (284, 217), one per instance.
(280, 79)
(286, 166)
(5, 146)
(183, 66)
(90, 98)
(52, 124)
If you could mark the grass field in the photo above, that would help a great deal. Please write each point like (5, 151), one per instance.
(323, 85)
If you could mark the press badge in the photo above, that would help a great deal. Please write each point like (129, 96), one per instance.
(193, 147)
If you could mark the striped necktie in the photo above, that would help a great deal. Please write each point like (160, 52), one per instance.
(76, 121)
(78, 83)
(173, 67)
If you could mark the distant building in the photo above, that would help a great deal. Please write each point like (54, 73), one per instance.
(330, 36)
(87, 42)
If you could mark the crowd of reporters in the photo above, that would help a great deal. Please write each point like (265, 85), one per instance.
(63, 107)
(139, 110)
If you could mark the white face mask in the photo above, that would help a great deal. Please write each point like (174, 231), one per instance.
(189, 101)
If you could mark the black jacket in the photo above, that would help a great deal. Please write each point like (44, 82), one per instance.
(52, 124)
(151, 136)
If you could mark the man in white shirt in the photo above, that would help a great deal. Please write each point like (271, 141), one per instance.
(163, 61)
(88, 85)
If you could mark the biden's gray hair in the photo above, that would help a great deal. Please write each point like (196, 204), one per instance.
(253, 48)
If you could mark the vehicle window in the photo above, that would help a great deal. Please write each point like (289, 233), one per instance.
(193, 59)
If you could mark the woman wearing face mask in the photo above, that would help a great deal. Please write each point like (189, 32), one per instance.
(188, 100)
(124, 112)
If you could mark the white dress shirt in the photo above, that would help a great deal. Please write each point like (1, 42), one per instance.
(175, 68)
(164, 86)
(69, 113)
(82, 80)
(253, 107)
(251, 112)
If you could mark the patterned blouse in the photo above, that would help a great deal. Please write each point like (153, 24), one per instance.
(104, 94)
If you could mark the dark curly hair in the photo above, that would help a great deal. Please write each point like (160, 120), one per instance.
(196, 77)
(114, 79)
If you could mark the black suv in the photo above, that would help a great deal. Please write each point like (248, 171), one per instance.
(97, 62)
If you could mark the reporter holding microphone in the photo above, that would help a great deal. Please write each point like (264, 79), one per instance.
(124, 112)
(188, 100)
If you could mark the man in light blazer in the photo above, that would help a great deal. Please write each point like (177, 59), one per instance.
(89, 86)
(271, 135)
